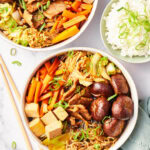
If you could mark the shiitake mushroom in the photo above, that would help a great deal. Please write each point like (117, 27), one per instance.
(119, 84)
(113, 127)
(100, 108)
(101, 89)
(122, 107)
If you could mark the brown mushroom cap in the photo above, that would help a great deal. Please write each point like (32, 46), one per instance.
(122, 108)
(113, 127)
(101, 89)
(100, 108)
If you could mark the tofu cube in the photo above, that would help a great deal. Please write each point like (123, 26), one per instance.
(32, 110)
(60, 113)
(49, 118)
(54, 129)
(37, 127)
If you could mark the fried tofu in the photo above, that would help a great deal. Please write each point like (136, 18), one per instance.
(49, 118)
(60, 113)
(37, 127)
(32, 110)
(54, 129)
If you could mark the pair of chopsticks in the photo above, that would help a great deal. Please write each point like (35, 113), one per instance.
(2, 69)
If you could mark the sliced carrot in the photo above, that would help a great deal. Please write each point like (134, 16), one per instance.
(68, 14)
(86, 6)
(45, 84)
(45, 96)
(37, 92)
(54, 66)
(47, 65)
(54, 99)
(43, 72)
(60, 24)
(38, 76)
(55, 25)
(76, 5)
(66, 34)
(85, 12)
(74, 21)
(45, 101)
(61, 94)
(31, 92)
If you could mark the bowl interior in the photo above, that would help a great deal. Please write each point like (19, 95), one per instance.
(61, 44)
(131, 123)
(116, 53)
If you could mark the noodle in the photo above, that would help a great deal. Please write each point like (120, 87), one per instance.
(89, 143)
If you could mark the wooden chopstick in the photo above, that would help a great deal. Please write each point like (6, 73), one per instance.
(10, 79)
(28, 144)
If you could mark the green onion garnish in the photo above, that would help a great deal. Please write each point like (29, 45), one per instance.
(13, 52)
(18, 63)
(62, 104)
(97, 146)
(70, 54)
(42, 27)
(13, 145)
(111, 97)
(106, 117)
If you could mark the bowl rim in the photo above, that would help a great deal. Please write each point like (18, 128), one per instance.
(124, 58)
(132, 122)
(61, 44)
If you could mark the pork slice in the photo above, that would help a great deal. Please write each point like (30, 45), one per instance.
(28, 18)
(55, 8)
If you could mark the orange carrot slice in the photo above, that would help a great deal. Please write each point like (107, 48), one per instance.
(46, 81)
(74, 21)
(47, 65)
(37, 92)
(68, 14)
(76, 5)
(54, 99)
(31, 92)
(45, 96)
(66, 34)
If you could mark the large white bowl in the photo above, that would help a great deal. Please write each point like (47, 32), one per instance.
(61, 44)
(131, 123)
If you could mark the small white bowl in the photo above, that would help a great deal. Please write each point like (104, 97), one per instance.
(131, 123)
(61, 44)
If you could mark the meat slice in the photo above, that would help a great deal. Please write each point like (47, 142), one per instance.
(28, 18)
(79, 112)
(119, 84)
(71, 90)
(55, 8)
(32, 7)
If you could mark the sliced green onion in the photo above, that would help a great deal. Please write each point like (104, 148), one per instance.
(18, 63)
(69, 83)
(42, 27)
(13, 52)
(23, 4)
(78, 89)
(50, 99)
(62, 104)
(111, 97)
(13, 145)
(75, 137)
(106, 117)
(140, 46)
(97, 146)
(70, 54)
(48, 4)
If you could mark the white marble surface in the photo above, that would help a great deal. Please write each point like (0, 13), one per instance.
(9, 129)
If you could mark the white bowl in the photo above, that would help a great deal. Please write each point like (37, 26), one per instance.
(61, 44)
(131, 123)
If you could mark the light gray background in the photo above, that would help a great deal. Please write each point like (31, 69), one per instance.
(9, 129)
